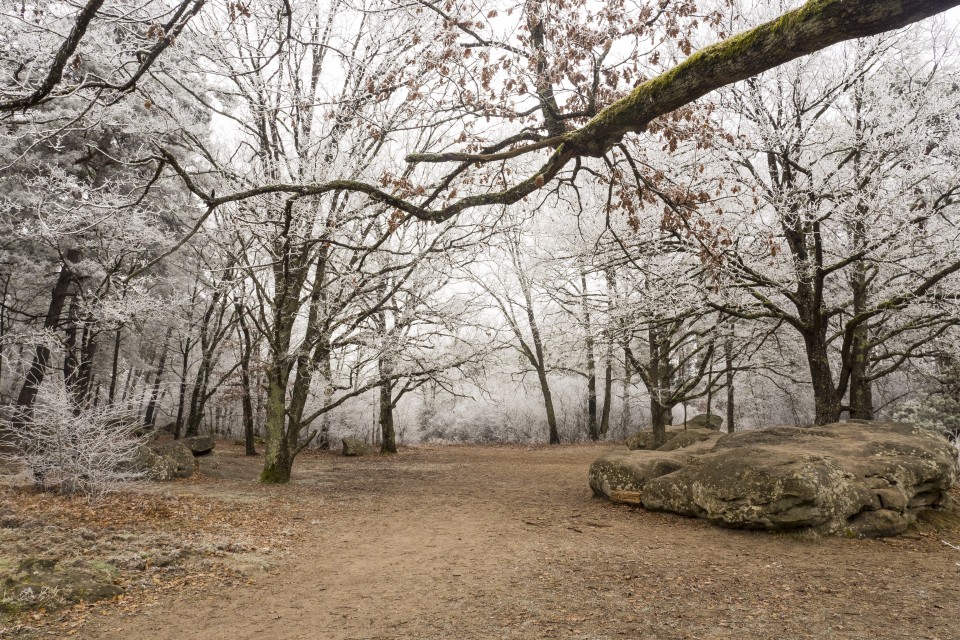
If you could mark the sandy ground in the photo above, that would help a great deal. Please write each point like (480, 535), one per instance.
(508, 542)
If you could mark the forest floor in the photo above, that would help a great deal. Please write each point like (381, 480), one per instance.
(465, 542)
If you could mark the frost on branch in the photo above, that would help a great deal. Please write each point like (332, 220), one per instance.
(71, 450)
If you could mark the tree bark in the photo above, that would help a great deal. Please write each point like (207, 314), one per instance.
(825, 397)
(728, 359)
(246, 348)
(277, 459)
(115, 365)
(150, 417)
(388, 434)
(280, 430)
(198, 397)
(71, 363)
(3, 321)
(659, 418)
(38, 368)
(626, 419)
(607, 391)
(592, 428)
(861, 388)
(182, 396)
(553, 432)
(861, 385)
(323, 437)
(658, 379)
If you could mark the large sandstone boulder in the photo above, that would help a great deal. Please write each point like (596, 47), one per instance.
(199, 445)
(356, 447)
(705, 421)
(166, 461)
(865, 479)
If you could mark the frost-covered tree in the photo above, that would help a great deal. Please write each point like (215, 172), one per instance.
(846, 163)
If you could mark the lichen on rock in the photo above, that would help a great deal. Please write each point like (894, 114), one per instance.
(856, 478)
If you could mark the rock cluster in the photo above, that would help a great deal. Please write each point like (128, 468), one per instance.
(857, 478)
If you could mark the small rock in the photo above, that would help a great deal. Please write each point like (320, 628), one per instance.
(166, 461)
(356, 447)
(199, 445)
(705, 421)
(166, 559)
(10, 522)
(86, 534)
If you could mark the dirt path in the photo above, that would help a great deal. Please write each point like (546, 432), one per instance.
(471, 542)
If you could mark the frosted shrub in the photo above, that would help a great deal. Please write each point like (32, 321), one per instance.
(75, 451)
(934, 411)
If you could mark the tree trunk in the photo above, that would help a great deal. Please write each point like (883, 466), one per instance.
(861, 386)
(182, 398)
(88, 351)
(861, 389)
(38, 368)
(198, 397)
(3, 321)
(658, 380)
(279, 430)
(659, 415)
(861, 392)
(246, 347)
(115, 366)
(709, 397)
(554, 433)
(388, 435)
(128, 387)
(323, 438)
(592, 428)
(607, 392)
(728, 357)
(538, 360)
(825, 397)
(626, 420)
(70, 359)
(150, 417)
(277, 459)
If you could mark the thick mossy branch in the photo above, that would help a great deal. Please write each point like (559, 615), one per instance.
(814, 26)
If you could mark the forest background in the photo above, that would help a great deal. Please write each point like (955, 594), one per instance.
(298, 221)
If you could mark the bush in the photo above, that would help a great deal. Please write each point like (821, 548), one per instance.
(84, 451)
(934, 411)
